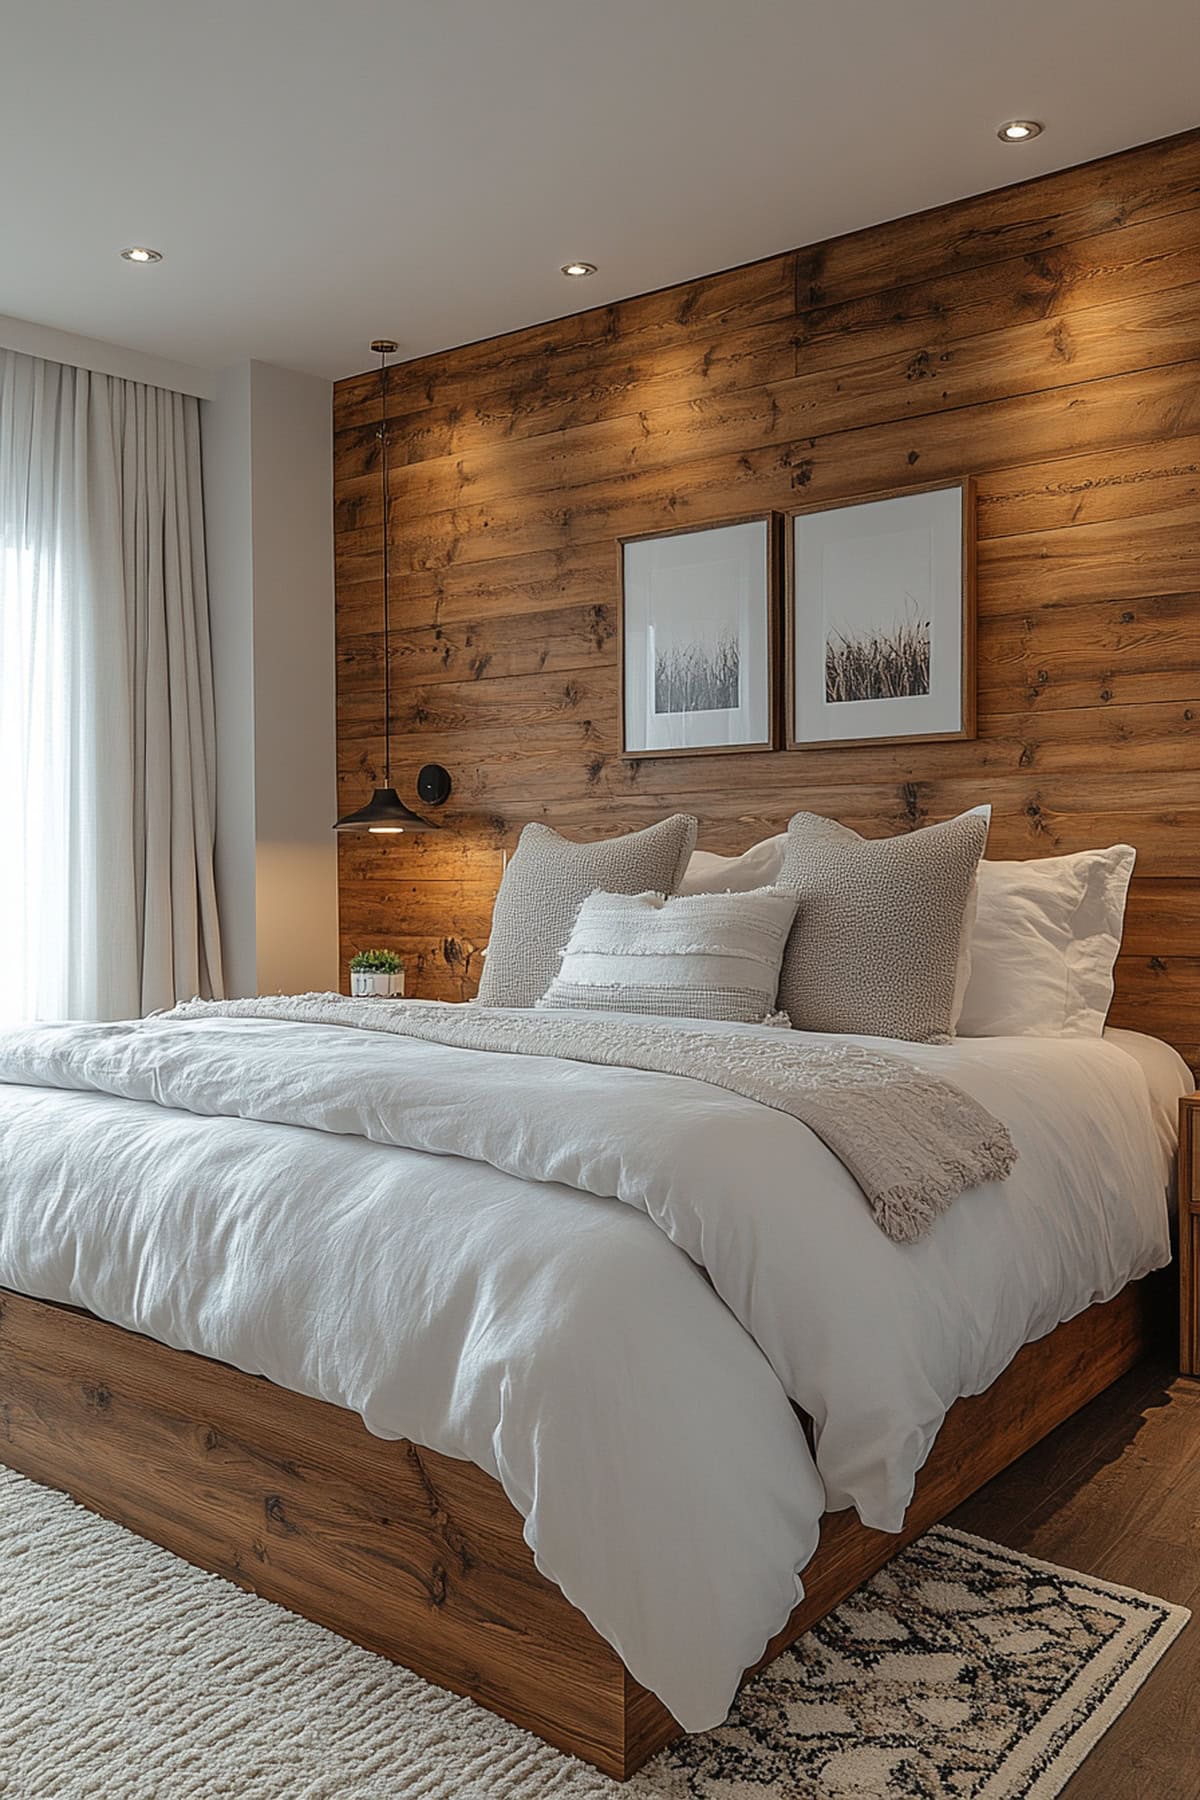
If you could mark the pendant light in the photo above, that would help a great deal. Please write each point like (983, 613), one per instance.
(385, 812)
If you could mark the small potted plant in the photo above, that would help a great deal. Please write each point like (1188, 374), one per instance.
(376, 973)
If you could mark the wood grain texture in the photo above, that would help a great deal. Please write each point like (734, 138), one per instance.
(417, 1556)
(1115, 1492)
(1188, 1188)
(1042, 340)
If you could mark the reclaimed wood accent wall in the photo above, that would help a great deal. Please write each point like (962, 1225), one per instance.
(1044, 338)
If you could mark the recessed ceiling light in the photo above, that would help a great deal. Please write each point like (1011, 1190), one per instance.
(140, 254)
(579, 268)
(1019, 131)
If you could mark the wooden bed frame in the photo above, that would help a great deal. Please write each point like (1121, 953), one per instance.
(413, 1554)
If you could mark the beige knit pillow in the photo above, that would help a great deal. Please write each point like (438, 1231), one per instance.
(874, 949)
(544, 886)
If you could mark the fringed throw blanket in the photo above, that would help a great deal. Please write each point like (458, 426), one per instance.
(912, 1141)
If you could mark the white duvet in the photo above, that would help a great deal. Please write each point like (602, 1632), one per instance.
(501, 1257)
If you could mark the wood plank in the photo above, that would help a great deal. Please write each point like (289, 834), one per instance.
(1108, 559)
(1035, 357)
(1031, 219)
(923, 318)
(560, 702)
(582, 574)
(1088, 655)
(429, 856)
(732, 300)
(615, 499)
(418, 1556)
(1150, 544)
(551, 643)
(591, 382)
(1163, 918)
(1037, 745)
(966, 330)
(417, 910)
(1157, 994)
(1160, 813)
(1187, 1188)
(1145, 480)
(1151, 182)
(1156, 484)
(1094, 645)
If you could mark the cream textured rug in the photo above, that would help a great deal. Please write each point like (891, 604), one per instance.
(962, 1669)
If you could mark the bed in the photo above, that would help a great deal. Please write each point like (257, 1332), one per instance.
(404, 1336)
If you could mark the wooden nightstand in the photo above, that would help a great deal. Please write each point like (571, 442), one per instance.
(1189, 1234)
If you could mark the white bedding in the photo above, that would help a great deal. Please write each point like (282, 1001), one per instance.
(1168, 1079)
(519, 1297)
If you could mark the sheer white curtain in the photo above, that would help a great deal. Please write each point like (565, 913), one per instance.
(107, 904)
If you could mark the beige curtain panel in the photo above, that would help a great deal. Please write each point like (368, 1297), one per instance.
(107, 748)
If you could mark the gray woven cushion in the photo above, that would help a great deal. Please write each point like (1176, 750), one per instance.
(544, 886)
(875, 945)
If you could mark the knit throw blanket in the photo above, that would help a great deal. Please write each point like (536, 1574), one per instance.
(912, 1141)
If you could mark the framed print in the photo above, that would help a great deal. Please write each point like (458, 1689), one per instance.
(698, 632)
(880, 619)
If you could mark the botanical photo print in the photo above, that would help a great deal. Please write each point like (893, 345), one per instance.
(878, 620)
(697, 627)
(696, 670)
(878, 647)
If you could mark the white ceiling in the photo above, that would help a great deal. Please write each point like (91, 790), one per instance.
(321, 172)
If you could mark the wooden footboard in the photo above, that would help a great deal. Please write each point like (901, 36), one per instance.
(417, 1556)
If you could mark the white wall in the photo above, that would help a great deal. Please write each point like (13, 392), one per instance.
(229, 542)
(268, 476)
(295, 787)
(105, 359)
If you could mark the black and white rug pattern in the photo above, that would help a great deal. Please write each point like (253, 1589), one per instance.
(961, 1670)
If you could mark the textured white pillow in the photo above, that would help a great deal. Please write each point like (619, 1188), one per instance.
(1045, 939)
(962, 973)
(699, 956)
(708, 873)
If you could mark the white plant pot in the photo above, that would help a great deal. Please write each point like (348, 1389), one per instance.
(365, 984)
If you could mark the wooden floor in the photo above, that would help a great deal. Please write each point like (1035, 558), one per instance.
(1115, 1492)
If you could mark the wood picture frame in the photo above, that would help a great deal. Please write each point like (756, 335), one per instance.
(794, 737)
(769, 739)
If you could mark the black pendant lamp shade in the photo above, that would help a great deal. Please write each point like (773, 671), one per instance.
(385, 812)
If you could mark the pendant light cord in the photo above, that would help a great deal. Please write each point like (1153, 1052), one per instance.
(387, 661)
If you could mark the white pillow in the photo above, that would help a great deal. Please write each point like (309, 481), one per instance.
(962, 973)
(759, 866)
(700, 956)
(708, 873)
(1045, 939)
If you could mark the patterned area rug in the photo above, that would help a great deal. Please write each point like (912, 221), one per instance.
(962, 1670)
